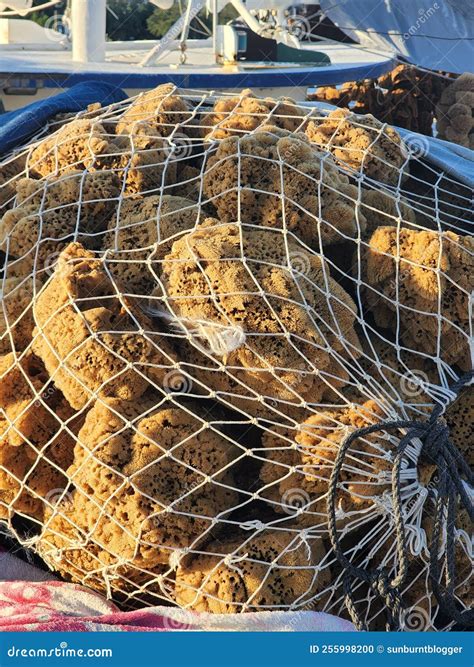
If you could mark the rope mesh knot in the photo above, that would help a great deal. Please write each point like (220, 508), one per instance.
(452, 469)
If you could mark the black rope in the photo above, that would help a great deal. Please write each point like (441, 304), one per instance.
(451, 467)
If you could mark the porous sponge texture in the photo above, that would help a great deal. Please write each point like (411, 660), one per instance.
(137, 154)
(143, 159)
(300, 463)
(245, 113)
(280, 321)
(460, 419)
(150, 478)
(362, 143)
(276, 179)
(36, 442)
(80, 144)
(274, 570)
(16, 314)
(161, 108)
(67, 548)
(382, 209)
(423, 281)
(454, 113)
(53, 212)
(142, 229)
(95, 194)
(181, 303)
(90, 338)
(9, 172)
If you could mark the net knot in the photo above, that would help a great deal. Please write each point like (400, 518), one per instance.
(451, 490)
(381, 582)
(176, 557)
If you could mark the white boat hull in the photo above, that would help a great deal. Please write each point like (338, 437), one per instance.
(28, 75)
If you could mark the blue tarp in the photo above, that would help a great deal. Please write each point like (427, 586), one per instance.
(437, 34)
(455, 160)
(16, 127)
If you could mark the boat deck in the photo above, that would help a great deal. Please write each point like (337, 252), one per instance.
(56, 69)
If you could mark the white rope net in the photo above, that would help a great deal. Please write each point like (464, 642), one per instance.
(202, 297)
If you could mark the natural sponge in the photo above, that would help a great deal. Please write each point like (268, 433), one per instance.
(93, 194)
(404, 377)
(420, 281)
(16, 314)
(80, 144)
(137, 154)
(460, 419)
(265, 311)
(161, 108)
(276, 179)
(51, 213)
(9, 173)
(300, 462)
(144, 161)
(92, 340)
(36, 444)
(360, 142)
(381, 209)
(142, 229)
(150, 479)
(273, 569)
(455, 111)
(245, 113)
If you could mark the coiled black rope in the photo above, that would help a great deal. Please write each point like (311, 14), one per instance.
(451, 467)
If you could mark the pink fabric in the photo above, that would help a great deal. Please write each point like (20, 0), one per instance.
(29, 605)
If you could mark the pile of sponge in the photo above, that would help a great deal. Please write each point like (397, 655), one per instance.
(198, 307)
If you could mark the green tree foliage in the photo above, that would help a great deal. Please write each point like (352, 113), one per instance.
(127, 19)
(161, 20)
(140, 19)
(42, 16)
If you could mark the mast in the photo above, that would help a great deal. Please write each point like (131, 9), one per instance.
(88, 30)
